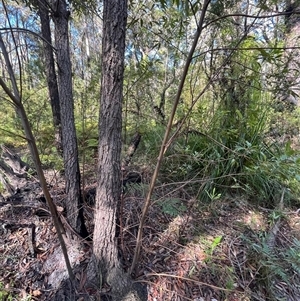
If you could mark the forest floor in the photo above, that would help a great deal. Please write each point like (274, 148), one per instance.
(229, 249)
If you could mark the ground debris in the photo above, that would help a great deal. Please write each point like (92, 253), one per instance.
(199, 252)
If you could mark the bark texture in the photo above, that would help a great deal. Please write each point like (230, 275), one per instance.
(109, 161)
(70, 150)
(289, 81)
(50, 71)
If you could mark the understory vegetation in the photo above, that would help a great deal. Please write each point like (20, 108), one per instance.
(224, 222)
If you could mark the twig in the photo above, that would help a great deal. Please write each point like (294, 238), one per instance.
(187, 279)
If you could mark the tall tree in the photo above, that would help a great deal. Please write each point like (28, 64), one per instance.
(60, 16)
(290, 78)
(16, 99)
(43, 12)
(64, 110)
(109, 159)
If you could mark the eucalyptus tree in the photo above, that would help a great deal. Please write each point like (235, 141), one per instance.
(60, 14)
(105, 262)
(291, 75)
(16, 24)
(63, 111)
(48, 53)
(12, 90)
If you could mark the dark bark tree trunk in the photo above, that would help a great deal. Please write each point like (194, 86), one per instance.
(43, 13)
(290, 78)
(70, 149)
(109, 161)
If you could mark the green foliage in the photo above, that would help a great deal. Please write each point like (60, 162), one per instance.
(87, 136)
(152, 137)
(172, 206)
(274, 216)
(273, 264)
(213, 196)
(5, 295)
(227, 161)
(11, 132)
(52, 160)
(224, 144)
(215, 244)
(226, 147)
(2, 188)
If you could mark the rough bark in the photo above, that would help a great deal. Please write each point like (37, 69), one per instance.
(133, 145)
(43, 13)
(74, 209)
(106, 261)
(289, 82)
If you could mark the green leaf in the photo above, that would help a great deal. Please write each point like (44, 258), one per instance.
(217, 241)
(173, 207)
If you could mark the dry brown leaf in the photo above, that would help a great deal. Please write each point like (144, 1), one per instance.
(59, 209)
(23, 294)
(36, 293)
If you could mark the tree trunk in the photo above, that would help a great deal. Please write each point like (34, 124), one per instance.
(70, 149)
(109, 161)
(289, 81)
(50, 72)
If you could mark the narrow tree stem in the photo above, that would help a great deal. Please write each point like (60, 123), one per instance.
(166, 136)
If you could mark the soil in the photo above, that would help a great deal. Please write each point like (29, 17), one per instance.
(230, 249)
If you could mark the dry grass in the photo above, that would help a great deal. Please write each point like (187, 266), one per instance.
(200, 252)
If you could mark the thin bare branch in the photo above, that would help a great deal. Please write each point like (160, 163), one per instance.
(10, 72)
(13, 134)
(250, 16)
(7, 90)
(16, 49)
(244, 49)
(175, 134)
(25, 30)
(16, 99)
(167, 132)
(187, 279)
